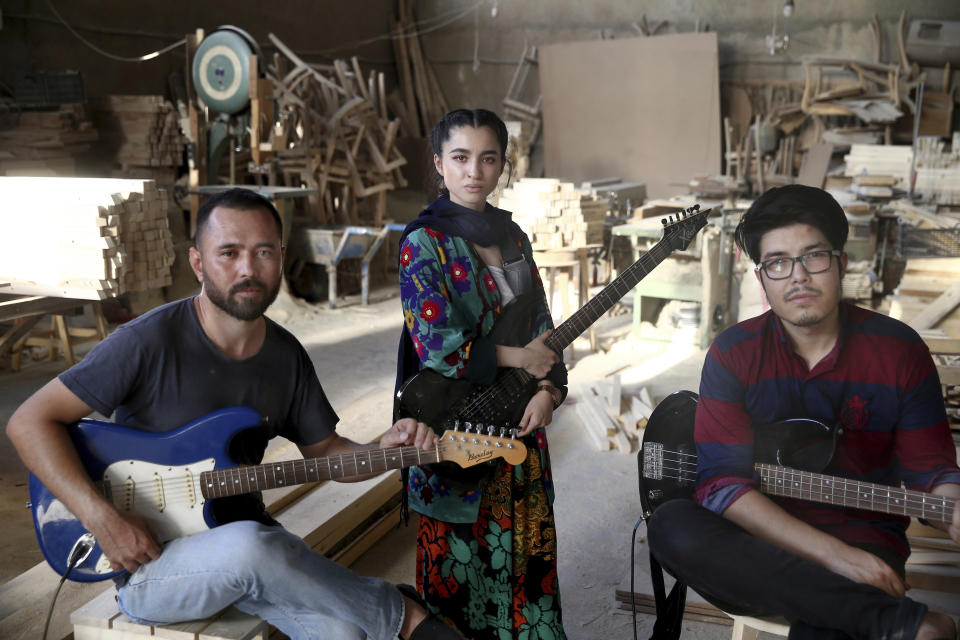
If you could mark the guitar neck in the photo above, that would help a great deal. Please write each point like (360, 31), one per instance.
(221, 483)
(816, 487)
(580, 321)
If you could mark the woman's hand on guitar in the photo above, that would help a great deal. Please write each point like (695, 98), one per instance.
(539, 412)
(866, 568)
(127, 540)
(408, 431)
(538, 358)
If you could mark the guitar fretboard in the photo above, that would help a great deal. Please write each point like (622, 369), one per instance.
(816, 487)
(221, 483)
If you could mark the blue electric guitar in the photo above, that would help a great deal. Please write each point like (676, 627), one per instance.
(172, 478)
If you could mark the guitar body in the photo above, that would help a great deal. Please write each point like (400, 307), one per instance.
(131, 461)
(667, 459)
(439, 401)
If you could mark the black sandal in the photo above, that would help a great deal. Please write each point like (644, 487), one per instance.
(430, 628)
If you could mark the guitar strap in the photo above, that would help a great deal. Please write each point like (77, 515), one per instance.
(516, 269)
(669, 608)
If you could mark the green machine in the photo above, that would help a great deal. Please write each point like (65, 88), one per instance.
(221, 78)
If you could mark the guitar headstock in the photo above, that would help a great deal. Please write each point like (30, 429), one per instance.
(467, 449)
(678, 233)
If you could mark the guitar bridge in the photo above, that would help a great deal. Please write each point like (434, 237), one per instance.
(653, 460)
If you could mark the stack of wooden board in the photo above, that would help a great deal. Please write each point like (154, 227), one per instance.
(880, 160)
(938, 170)
(613, 416)
(141, 135)
(86, 238)
(45, 143)
(554, 214)
(336, 136)
(518, 158)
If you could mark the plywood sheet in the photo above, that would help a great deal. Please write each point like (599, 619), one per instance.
(644, 109)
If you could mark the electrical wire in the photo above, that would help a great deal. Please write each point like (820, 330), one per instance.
(633, 599)
(143, 58)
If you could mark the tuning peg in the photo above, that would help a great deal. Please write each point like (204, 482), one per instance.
(513, 433)
(456, 425)
(664, 221)
(503, 432)
(467, 426)
(696, 207)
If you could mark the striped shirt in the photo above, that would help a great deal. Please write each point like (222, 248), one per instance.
(879, 384)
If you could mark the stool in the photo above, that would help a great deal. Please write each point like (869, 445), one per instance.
(566, 265)
(60, 336)
(748, 627)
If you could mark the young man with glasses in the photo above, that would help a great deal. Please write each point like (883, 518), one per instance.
(833, 572)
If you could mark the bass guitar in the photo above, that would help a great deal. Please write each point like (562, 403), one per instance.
(668, 466)
(446, 403)
(173, 478)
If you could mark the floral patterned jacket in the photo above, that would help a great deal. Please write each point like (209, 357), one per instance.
(450, 304)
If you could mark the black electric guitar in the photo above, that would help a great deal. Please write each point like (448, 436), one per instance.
(446, 403)
(790, 455)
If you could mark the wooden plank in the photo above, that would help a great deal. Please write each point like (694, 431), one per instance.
(98, 612)
(813, 169)
(941, 307)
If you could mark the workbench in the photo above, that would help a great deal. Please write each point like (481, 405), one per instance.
(701, 273)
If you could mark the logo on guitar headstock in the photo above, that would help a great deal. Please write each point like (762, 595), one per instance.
(678, 233)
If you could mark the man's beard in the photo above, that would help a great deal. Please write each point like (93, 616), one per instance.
(242, 309)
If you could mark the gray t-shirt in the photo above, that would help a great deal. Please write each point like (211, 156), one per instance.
(160, 372)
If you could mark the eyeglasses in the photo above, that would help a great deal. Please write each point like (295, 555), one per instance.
(813, 262)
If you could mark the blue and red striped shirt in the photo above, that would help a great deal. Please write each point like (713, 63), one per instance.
(879, 383)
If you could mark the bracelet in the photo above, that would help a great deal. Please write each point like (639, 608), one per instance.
(549, 387)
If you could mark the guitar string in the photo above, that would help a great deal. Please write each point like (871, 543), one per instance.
(179, 490)
(918, 501)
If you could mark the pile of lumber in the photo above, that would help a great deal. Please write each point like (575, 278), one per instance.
(93, 238)
(141, 136)
(890, 161)
(45, 143)
(554, 214)
(613, 418)
(336, 136)
(419, 101)
(938, 170)
(518, 158)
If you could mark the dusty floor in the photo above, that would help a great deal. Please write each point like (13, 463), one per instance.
(353, 349)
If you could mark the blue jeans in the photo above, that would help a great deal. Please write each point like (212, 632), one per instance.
(267, 572)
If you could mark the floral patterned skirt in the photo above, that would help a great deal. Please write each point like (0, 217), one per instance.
(496, 578)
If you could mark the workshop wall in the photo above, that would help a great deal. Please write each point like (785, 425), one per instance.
(33, 39)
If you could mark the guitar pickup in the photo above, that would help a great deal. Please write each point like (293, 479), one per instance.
(128, 495)
(158, 499)
(191, 489)
(653, 460)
